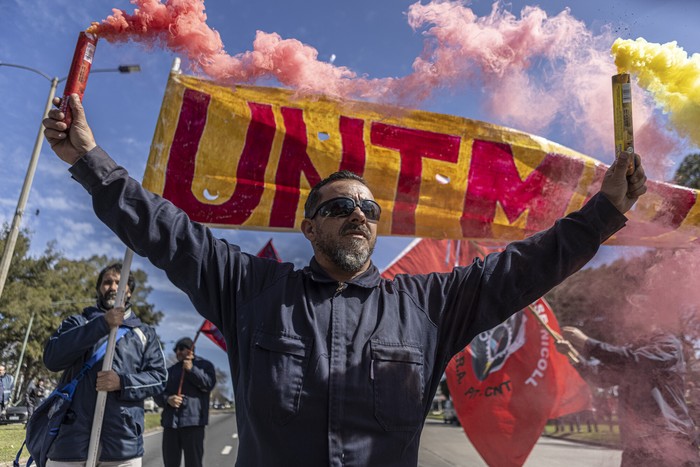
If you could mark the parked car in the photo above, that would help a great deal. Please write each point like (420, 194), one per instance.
(450, 414)
(149, 405)
(18, 414)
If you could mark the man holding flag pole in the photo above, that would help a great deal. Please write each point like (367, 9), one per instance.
(185, 403)
(138, 373)
(333, 356)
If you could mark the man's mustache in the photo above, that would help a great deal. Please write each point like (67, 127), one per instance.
(355, 228)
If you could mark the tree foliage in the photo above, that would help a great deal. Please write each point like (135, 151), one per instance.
(44, 290)
(592, 299)
(688, 173)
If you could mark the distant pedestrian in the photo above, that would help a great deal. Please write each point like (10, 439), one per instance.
(6, 385)
(186, 406)
(36, 393)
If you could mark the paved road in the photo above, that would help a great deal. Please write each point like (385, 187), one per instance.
(220, 443)
(447, 446)
(441, 446)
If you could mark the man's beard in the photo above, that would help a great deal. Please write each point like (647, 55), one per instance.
(350, 256)
(108, 300)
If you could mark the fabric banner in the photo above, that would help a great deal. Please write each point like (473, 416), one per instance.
(246, 157)
(510, 380)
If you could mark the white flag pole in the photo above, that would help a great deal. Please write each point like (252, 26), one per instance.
(98, 417)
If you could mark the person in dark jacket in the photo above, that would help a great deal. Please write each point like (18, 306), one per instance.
(332, 364)
(138, 372)
(655, 425)
(36, 393)
(6, 385)
(185, 403)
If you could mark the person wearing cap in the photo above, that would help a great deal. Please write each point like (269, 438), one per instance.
(333, 364)
(138, 372)
(185, 403)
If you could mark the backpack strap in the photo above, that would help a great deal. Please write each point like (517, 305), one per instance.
(69, 388)
(101, 351)
(15, 463)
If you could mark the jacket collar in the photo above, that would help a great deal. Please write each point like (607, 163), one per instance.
(368, 279)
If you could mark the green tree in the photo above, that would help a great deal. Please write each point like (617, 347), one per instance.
(49, 288)
(688, 173)
(592, 298)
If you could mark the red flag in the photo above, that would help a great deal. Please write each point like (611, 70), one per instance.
(269, 251)
(509, 380)
(213, 333)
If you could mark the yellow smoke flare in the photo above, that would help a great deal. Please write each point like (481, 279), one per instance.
(672, 78)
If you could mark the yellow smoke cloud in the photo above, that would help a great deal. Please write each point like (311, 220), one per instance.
(672, 78)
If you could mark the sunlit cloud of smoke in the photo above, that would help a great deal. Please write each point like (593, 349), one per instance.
(536, 70)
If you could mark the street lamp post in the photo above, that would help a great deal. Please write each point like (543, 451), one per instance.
(22, 202)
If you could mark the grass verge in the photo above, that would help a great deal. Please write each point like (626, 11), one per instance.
(12, 436)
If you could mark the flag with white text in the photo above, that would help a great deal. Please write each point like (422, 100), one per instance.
(509, 380)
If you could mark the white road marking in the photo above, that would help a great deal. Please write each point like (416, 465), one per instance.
(226, 451)
(235, 436)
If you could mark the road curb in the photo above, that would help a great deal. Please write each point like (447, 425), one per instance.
(580, 441)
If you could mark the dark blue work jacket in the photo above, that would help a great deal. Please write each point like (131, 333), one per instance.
(196, 386)
(139, 362)
(329, 373)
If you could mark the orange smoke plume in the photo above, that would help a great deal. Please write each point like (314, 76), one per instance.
(568, 87)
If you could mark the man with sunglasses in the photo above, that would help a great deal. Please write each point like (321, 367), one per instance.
(332, 364)
(185, 403)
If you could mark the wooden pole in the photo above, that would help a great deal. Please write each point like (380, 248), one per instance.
(182, 375)
(573, 354)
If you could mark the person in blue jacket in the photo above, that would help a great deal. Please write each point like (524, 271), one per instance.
(6, 385)
(138, 372)
(332, 364)
(185, 403)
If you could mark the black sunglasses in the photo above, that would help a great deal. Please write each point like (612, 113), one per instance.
(343, 207)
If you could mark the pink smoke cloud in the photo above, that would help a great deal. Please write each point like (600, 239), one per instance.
(538, 71)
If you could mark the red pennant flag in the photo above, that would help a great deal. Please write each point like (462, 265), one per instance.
(269, 251)
(213, 333)
(509, 380)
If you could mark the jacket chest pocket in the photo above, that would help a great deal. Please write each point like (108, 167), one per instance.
(397, 377)
(278, 367)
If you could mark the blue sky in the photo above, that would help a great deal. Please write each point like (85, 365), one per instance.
(368, 36)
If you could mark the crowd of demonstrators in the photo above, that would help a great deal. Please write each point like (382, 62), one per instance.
(6, 386)
(185, 403)
(656, 428)
(138, 372)
(334, 356)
